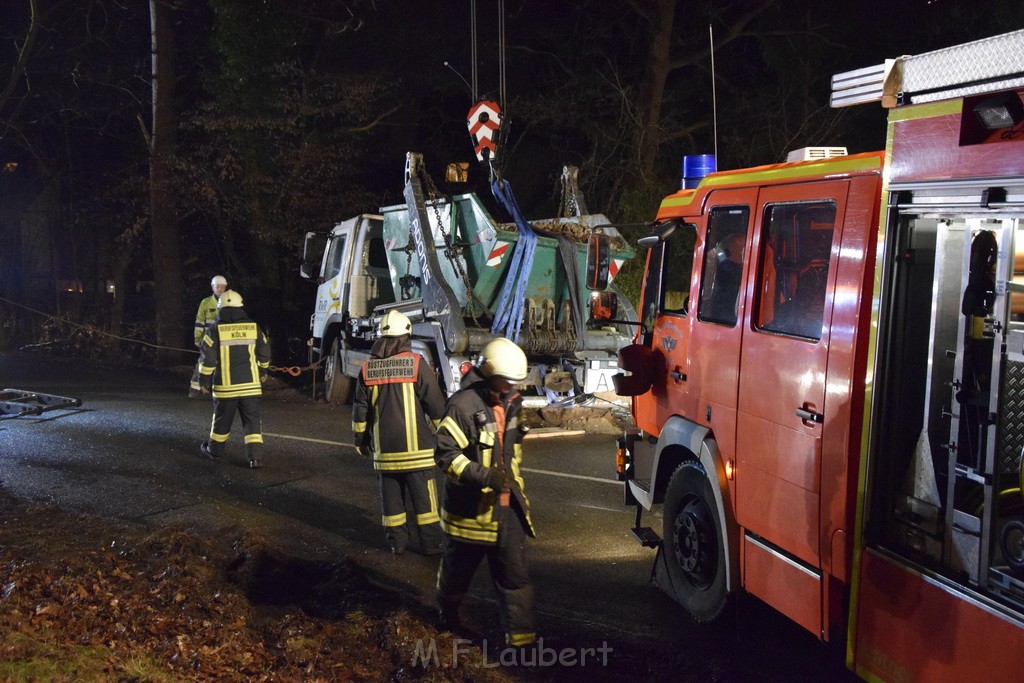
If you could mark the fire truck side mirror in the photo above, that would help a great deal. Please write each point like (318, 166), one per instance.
(639, 368)
(659, 233)
(598, 261)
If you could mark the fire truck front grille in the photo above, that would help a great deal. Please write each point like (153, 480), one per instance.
(1011, 418)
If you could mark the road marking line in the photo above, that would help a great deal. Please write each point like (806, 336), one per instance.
(306, 438)
(525, 469)
(571, 476)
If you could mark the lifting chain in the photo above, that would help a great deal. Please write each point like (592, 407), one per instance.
(295, 370)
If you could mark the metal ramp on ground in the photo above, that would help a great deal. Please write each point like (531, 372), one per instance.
(20, 402)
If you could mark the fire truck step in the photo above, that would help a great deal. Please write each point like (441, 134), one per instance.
(646, 536)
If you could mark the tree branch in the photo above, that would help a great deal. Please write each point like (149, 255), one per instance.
(23, 55)
(372, 124)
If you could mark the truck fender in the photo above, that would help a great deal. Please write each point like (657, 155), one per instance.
(334, 326)
(697, 442)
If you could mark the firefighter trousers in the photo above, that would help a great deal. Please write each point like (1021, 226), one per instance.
(506, 560)
(421, 488)
(248, 409)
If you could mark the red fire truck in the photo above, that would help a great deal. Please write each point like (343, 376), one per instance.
(828, 379)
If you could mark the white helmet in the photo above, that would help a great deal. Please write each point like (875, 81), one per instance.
(218, 280)
(503, 358)
(230, 299)
(395, 324)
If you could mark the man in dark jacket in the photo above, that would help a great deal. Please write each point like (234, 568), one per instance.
(235, 359)
(396, 407)
(486, 512)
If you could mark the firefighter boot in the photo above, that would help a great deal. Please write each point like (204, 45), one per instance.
(254, 451)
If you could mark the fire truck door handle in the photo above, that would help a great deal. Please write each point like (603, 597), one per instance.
(678, 376)
(809, 415)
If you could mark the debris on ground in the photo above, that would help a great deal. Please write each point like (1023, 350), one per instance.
(591, 420)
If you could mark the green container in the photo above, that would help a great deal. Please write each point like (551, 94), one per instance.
(486, 252)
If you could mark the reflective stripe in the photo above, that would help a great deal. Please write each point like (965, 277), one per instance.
(403, 462)
(358, 427)
(435, 423)
(253, 438)
(219, 438)
(520, 639)
(452, 427)
(432, 494)
(393, 520)
(470, 529)
(426, 518)
(458, 465)
(486, 454)
(409, 407)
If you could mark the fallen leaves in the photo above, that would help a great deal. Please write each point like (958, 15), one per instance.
(170, 605)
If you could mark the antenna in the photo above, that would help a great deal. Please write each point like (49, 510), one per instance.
(473, 57)
(714, 98)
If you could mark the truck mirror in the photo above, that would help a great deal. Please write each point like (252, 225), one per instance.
(309, 252)
(598, 261)
(603, 306)
(660, 233)
(639, 365)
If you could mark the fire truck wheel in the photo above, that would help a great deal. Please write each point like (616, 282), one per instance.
(1011, 542)
(337, 385)
(694, 552)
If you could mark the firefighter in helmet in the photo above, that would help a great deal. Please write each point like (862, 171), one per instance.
(486, 512)
(205, 316)
(396, 407)
(234, 363)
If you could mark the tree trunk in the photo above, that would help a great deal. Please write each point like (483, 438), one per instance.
(170, 328)
(659, 65)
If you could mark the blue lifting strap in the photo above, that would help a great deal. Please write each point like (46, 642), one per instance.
(508, 316)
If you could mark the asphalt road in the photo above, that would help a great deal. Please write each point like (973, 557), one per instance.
(131, 451)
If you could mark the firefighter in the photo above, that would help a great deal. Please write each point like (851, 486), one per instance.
(206, 315)
(234, 362)
(486, 512)
(396, 407)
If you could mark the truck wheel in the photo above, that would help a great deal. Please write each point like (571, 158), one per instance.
(693, 550)
(1011, 542)
(337, 385)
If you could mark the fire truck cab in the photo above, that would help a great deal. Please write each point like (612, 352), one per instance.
(828, 380)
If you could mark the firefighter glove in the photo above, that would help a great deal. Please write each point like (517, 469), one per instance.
(495, 478)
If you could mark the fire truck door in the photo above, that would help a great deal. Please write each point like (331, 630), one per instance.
(783, 364)
(713, 372)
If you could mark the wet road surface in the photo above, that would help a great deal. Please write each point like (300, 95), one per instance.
(131, 451)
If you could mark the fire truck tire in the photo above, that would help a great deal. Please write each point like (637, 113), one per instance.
(1011, 542)
(337, 385)
(694, 552)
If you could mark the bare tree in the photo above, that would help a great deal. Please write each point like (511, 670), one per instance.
(163, 222)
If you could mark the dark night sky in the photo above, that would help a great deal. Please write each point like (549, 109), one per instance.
(574, 70)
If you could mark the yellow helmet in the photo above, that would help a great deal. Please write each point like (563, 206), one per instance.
(503, 358)
(230, 299)
(395, 324)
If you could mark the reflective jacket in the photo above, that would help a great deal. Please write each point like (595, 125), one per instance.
(466, 447)
(397, 403)
(205, 316)
(235, 356)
